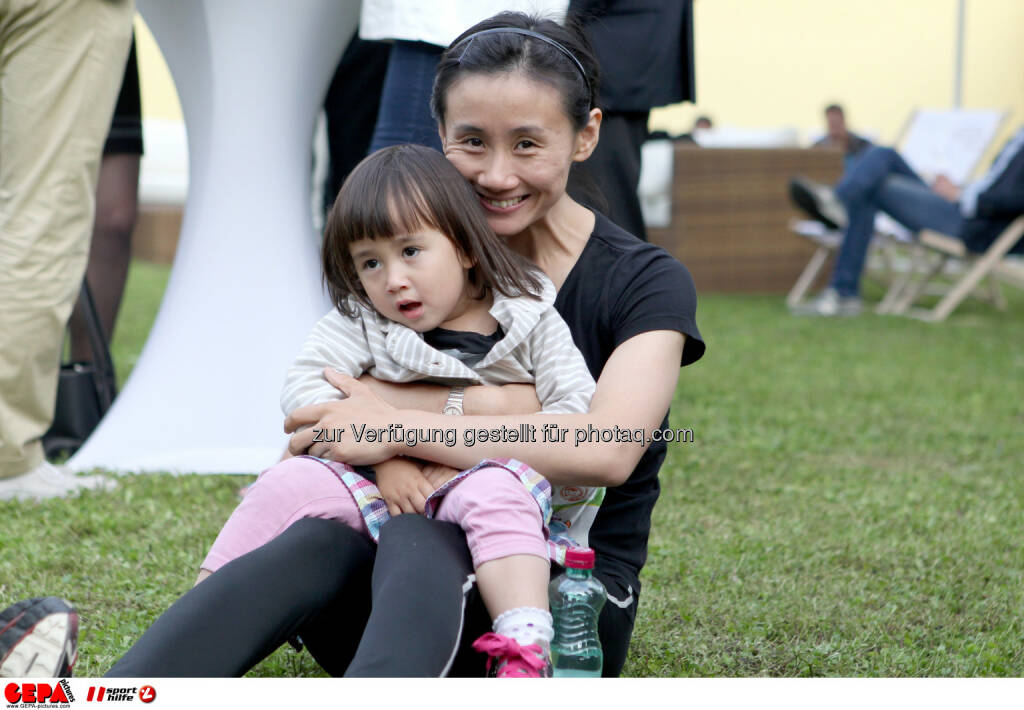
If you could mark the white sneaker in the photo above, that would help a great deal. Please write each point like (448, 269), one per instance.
(49, 481)
(94, 482)
(828, 304)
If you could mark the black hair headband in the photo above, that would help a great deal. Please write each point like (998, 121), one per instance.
(534, 35)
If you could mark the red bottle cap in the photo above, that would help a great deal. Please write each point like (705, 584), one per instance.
(579, 558)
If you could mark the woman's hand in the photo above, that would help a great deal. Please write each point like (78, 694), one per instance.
(405, 488)
(348, 421)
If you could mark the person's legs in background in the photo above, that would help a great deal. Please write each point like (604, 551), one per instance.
(405, 102)
(351, 108)
(61, 63)
(860, 228)
(879, 179)
(917, 208)
(907, 200)
(117, 206)
(862, 175)
(870, 170)
(110, 252)
(615, 168)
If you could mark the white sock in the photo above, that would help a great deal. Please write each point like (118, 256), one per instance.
(526, 624)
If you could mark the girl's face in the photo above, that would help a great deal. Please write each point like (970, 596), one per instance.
(419, 279)
(512, 139)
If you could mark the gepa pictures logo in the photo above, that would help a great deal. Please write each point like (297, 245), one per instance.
(39, 694)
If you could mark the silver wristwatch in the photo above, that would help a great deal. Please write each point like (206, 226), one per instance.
(453, 406)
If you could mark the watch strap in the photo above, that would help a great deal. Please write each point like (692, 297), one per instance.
(453, 407)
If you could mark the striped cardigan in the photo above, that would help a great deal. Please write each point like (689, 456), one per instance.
(537, 348)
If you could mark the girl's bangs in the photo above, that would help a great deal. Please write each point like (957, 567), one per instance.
(404, 210)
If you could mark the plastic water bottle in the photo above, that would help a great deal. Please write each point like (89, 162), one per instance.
(576, 600)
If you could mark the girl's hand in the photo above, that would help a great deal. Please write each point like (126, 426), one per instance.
(361, 411)
(437, 474)
(403, 485)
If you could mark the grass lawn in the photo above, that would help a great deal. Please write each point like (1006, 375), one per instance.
(852, 506)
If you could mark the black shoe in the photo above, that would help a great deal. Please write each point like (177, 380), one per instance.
(818, 201)
(38, 638)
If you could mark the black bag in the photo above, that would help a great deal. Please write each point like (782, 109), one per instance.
(85, 390)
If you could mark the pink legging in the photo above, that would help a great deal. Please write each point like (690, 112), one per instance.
(497, 513)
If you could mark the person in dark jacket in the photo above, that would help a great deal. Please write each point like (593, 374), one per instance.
(839, 136)
(645, 50)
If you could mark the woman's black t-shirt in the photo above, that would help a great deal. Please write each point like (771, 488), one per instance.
(620, 287)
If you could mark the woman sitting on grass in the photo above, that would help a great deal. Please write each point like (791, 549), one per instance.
(515, 101)
(406, 251)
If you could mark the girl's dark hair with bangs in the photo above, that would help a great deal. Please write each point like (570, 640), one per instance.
(400, 189)
(499, 52)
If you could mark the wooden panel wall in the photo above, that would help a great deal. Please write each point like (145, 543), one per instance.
(730, 210)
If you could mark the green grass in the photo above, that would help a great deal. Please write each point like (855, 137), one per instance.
(852, 506)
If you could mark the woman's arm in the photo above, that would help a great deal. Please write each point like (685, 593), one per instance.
(480, 400)
(633, 393)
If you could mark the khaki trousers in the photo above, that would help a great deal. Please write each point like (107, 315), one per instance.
(61, 63)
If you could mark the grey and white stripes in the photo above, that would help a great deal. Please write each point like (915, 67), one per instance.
(537, 348)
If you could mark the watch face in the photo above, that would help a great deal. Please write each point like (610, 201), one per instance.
(451, 411)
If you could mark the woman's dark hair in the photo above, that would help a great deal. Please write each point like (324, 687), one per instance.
(499, 52)
(400, 189)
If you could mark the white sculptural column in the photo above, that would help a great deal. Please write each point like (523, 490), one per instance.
(245, 286)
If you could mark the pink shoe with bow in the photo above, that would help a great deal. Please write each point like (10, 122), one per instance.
(510, 660)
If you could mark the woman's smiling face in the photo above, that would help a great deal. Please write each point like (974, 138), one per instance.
(511, 137)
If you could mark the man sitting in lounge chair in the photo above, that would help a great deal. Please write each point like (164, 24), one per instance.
(881, 180)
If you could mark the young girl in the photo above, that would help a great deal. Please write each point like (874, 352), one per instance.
(423, 289)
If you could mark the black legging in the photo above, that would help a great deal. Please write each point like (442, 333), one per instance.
(319, 579)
